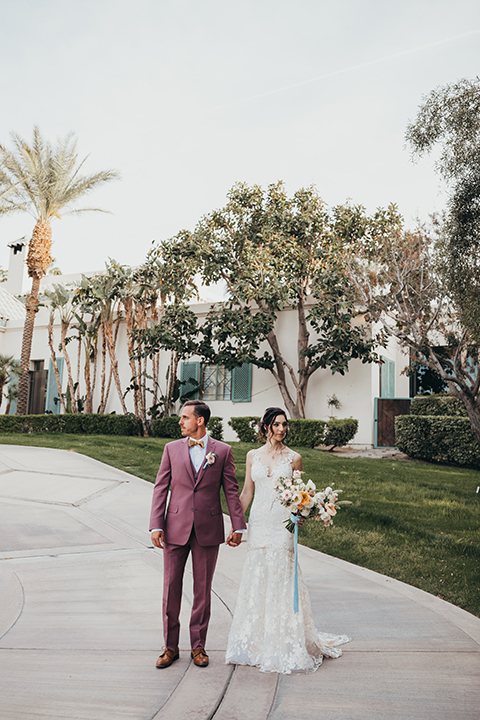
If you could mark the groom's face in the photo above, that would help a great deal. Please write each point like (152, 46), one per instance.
(191, 425)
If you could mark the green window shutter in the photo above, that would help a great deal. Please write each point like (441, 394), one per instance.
(52, 389)
(387, 378)
(190, 375)
(242, 383)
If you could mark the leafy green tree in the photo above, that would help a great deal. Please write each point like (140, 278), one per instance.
(400, 288)
(101, 295)
(60, 301)
(8, 368)
(449, 118)
(275, 252)
(171, 269)
(45, 181)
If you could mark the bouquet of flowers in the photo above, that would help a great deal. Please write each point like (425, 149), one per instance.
(302, 498)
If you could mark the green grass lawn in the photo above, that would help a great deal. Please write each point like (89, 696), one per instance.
(416, 522)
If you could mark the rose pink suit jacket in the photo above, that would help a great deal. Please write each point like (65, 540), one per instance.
(195, 498)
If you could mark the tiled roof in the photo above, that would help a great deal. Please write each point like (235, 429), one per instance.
(10, 307)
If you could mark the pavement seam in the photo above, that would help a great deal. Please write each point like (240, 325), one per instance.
(224, 693)
(21, 609)
(155, 715)
(274, 699)
(53, 556)
(114, 651)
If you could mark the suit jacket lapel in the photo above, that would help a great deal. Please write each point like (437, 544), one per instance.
(188, 462)
(203, 469)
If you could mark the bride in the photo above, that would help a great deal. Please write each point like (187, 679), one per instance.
(266, 632)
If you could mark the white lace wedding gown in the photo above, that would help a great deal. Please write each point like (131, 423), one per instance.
(265, 631)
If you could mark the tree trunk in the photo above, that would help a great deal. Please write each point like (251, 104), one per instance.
(114, 365)
(104, 391)
(31, 308)
(55, 365)
(472, 407)
(69, 368)
(295, 408)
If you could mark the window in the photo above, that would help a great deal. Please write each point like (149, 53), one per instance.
(387, 378)
(215, 382)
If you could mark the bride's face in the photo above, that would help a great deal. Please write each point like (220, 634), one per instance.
(278, 428)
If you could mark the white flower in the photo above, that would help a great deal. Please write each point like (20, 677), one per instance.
(328, 490)
(310, 485)
(210, 459)
(296, 498)
(297, 474)
(286, 495)
(305, 512)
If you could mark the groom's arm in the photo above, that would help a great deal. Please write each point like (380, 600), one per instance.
(230, 488)
(159, 500)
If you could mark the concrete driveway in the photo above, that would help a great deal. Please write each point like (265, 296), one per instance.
(80, 624)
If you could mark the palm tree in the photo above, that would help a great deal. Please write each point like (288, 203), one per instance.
(8, 367)
(59, 298)
(43, 180)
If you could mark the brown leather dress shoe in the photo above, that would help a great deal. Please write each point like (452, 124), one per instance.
(200, 657)
(167, 658)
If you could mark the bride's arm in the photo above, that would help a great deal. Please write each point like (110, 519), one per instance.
(297, 462)
(247, 492)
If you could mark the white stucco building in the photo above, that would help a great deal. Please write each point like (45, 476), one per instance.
(247, 391)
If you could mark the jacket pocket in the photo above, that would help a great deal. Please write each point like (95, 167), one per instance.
(173, 509)
(216, 511)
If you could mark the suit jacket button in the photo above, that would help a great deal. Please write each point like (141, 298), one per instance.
(192, 509)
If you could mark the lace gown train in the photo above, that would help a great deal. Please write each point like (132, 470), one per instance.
(265, 630)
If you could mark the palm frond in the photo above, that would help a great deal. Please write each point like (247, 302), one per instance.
(45, 178)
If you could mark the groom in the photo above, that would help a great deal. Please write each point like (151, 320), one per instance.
(194, 468)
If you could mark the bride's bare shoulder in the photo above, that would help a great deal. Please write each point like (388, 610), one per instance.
(296, 457)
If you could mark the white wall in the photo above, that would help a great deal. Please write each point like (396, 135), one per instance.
(356, 390)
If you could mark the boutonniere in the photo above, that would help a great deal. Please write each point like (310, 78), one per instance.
(210, 459)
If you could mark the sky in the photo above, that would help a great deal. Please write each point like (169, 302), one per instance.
(186, 97)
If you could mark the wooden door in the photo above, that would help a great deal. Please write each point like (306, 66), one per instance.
(386, 410)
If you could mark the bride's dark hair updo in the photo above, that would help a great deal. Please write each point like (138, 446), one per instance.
(267, 421)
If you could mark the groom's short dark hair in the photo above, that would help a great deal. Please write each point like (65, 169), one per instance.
(200, 409)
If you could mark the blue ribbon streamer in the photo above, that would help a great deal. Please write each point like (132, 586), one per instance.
(294, 519)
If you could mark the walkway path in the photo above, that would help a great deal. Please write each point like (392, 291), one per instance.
(80, 629)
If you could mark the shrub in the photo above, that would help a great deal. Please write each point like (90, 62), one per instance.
(437, 405)
(167, 427)
(306, 433)
(215, 427)
(302, 433)
(91, 424)
(246, 428)
(439, 438)
(340, 432)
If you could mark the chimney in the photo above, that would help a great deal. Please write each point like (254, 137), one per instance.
(16, 267)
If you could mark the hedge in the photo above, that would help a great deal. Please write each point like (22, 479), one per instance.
(447, 439)
(82, 424)
(245, 427)
(302, 433)
(340, 431)
(168, 427)
(437, 405)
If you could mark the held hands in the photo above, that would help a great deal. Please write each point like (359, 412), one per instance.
(234, 539)
(157, 538)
